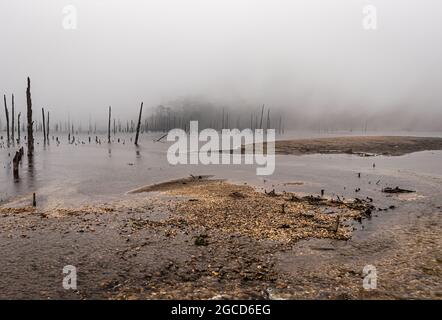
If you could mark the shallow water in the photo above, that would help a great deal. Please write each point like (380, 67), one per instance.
(69, 174)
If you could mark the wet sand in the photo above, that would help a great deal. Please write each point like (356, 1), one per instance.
(194, 238)
(361, 145)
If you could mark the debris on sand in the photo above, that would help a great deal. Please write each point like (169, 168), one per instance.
(396, 190)
(201, 240)
(28, 209)
(226, 208)
(237, 195)
(271, 193)
(296, 183)
(313, 200)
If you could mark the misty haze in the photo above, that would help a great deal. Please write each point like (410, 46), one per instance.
(208, 149)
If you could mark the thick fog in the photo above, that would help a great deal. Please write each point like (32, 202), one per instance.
(311, 62)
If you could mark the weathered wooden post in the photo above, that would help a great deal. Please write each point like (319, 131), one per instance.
(108, 127)
(44, 125)
(7, 119)
(138, 125)
(30, 122)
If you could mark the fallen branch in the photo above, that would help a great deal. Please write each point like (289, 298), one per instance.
(396, 190)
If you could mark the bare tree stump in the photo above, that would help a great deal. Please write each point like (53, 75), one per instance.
(12, 123)
(44, 124)
(18, 127)
(262, 115)
(7, 120)
(138, 125)
(108, 127)
(47, 128)
(30, 122)
(15, 162)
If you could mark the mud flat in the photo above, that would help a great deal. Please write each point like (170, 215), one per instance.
(361, 145)
(186, 238)
(197, 238)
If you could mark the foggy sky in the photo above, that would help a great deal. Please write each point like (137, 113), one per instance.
(309, 57)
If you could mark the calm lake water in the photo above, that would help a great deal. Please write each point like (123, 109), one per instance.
(71, 175)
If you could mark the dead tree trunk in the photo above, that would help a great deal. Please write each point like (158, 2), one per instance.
(12, 123)
(139, 124)
(227, 121)
(262, 115)
(18, 127)
(15, 165)
(108, 127)
(7, 119)
(268, 120)
(16, 161)
(47, 128)
(30, 122)
(280, 125)
(44, 125)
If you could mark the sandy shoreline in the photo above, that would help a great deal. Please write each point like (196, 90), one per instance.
(359, 145)
(195, 238)
(225, 207)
